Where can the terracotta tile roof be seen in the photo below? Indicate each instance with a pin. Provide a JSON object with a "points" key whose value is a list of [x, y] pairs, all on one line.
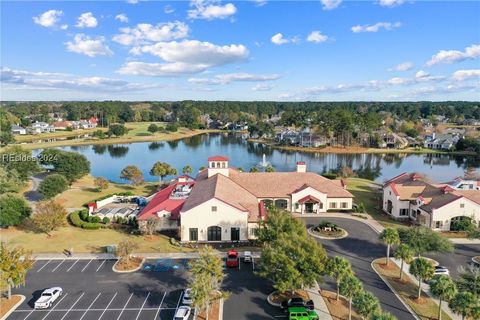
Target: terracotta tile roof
{"points": [[309, 198], [472, 195], [218, 158]]}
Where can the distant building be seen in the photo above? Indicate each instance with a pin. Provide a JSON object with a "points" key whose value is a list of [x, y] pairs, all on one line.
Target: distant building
{"points": [[464, 184], [441, 141], [16, 129], [62, 125], [393, 141], [40, 127]]}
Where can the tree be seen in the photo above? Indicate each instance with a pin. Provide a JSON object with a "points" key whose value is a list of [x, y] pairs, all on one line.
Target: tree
{"points": [[20, 160], [117, 130], [338, 268], [153, 128], [9, 181], [389, 236], [72, 165], [14, 209], [53, 185], [366, 304], [383, 316], [151, 225], [468, 144], [422, 269], [49, 216], [463, 303], [133, 174], [101, 183], [187, 169], [162, 169], [443, 288], [404, 253], [254, 169], [278, 222], [270, 168], [423, 240], [14, 265], [125, 249], [350, 287], [469, 280]]}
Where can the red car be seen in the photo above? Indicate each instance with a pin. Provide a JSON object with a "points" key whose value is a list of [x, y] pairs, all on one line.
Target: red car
{"points": [[232, 259]]}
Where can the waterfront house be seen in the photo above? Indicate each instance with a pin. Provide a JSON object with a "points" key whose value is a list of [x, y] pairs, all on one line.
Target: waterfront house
{"points": [[225, 204], [410, 197], [441, 141], [40, 127], [16, 129]]}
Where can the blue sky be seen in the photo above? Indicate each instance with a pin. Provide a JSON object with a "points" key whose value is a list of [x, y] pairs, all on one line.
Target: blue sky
{"points": [[329, 50]]}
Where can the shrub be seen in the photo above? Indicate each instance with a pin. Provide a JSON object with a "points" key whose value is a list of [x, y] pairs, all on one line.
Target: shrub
{"points": [[53, 185], [106, 220], [95, 219], [172, 127], [83, 215], [75, 220], [329, 175], [14, 209]]}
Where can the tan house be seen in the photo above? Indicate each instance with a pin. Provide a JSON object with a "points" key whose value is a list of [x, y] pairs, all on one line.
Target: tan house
{"points": [[225, 204], [408, 196]]}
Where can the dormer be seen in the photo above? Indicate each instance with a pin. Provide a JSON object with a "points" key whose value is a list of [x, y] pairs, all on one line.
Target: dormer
{"points": [[217, 164]]}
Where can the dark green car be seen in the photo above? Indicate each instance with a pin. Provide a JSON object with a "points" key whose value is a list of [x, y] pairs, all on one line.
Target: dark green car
{"points": [[301, 313]]}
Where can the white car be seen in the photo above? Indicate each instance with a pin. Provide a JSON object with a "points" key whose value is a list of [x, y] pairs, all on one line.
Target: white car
{"points": [[182, 313], [48, 297], [187, 298], [439, 270], [247, 256]]}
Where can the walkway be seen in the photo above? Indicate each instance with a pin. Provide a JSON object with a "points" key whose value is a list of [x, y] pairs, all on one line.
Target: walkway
{"points": [[319, 303]]}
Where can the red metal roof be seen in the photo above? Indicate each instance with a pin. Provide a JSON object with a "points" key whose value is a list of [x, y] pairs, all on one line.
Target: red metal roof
{"points": [[309, 198], [218, 158], [162, 202], [300, 162]]}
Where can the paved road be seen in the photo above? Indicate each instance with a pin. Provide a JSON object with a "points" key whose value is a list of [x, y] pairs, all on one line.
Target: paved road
{"points": [[461, 257], [361, 247], [33, 195]]}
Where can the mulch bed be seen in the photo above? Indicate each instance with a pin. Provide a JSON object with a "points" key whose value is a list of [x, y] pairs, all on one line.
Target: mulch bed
{"points": [[7, 304], [213, 312], [338, 308], [132, 263]]}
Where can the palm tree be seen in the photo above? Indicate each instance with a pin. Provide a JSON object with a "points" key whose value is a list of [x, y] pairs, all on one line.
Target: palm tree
{"points": [[422, 269], [366, 304], [444, 289], [350, 287], [187, 169], [389, 236], [382, 316], [469, 280], [404, 253], [463, 303], [338, 268]]}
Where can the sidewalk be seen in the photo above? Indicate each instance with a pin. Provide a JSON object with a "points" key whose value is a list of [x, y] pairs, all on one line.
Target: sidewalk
{"points": [[102, 256], [426, 289], [372, 223], [320, 305]]}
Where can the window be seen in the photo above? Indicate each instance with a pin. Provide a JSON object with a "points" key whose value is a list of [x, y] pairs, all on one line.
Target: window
{"points": [[235, 234], [252, 232], [193, 234], [333, 205], [462, 205], [438, 224], [223, 164], [214, 208], [343, 205], [320, 205], [403, 212], [414, 213], [214, 233], [390, 193], [296, 205]]}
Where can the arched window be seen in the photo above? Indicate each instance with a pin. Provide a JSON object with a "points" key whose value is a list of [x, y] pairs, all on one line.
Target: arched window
{"points": [[389, 206], [223, 164], [214, 233]]}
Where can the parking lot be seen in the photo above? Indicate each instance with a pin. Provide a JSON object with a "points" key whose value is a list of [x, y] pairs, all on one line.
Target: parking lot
{"points": [[93, 291]]}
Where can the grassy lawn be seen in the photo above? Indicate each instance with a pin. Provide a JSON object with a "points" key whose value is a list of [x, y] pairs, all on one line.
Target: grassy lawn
{"points": [[56, 134], [83, 240], [425, 307], [366, 192]]}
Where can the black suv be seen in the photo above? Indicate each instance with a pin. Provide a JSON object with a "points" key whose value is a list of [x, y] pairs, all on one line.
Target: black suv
{"points": [[297, 302]]}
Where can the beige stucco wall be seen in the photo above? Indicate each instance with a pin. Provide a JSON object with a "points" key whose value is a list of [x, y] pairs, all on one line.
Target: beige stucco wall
{"points": [[202, 217], [309, 191], [453, 209], [397, 204]]}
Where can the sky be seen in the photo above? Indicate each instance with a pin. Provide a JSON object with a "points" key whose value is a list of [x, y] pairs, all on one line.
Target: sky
{"points": [[328, 50]]}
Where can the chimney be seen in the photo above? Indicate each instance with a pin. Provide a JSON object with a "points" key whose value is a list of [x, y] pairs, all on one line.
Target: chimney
{"points": [[301, 166]]}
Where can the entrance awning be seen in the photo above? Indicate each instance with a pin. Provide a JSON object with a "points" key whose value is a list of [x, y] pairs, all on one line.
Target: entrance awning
{"points": [[309, 198]]}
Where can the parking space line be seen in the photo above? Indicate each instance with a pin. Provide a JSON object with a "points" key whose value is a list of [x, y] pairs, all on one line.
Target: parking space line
{"points": [[68, 270], [73, 305], [28, 315], [179, 299], [56, 304], [160, 306], [91, 304], [101, 265], [125, 306], [143, 305], [108, 305], [44, 266], [58, 265], [86, 265]]}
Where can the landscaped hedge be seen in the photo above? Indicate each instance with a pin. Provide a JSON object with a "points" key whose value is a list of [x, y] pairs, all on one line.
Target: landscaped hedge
{"points": [[78, 222]]}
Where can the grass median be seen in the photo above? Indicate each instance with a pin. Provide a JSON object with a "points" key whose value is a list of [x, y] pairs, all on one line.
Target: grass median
{"points": [[425, 307]]}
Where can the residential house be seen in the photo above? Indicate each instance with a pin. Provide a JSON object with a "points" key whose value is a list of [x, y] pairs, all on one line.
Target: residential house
{"points": [[16, 129], [441, 141], [62, 125], [464, 184], [40, 127], [393, 141], [410, 197], [224, 204]]}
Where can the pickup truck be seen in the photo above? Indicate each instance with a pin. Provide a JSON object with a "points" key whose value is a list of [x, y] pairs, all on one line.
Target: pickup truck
{"points": [[48, 297]]}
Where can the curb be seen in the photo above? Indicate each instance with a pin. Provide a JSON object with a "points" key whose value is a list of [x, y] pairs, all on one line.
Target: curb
{"points": [[22, 298], [476, 263], [270, 302], [220, 310], [310, 232], [395, 292], [128, 271], [347, 216]]}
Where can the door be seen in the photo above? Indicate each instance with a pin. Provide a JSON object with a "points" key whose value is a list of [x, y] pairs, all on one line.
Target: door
{"points": [[235, 234], [214, 233], [308, 207]]}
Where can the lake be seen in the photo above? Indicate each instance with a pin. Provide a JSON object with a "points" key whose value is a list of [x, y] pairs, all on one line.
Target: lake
{"points": [[108, 160]]}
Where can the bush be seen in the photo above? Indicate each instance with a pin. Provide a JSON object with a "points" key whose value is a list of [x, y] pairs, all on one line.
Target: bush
{"points": [[153, 128], [83, 215], [464, 224], [14, 209], [95, 219], [106, 220], [329, 175], [75, 220], [53, 185], [172, 127]]}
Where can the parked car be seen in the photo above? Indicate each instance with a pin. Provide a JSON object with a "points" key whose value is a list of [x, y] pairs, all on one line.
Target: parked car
{"points": [[301, 313], [440, 270], [48, 297], [232, 259], [247, 256], [187, 298], [297, 302], [182, 313]]}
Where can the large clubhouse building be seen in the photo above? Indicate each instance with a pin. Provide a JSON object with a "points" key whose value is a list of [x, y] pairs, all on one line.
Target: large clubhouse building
{"points": [[225, 204], [409, 196]]}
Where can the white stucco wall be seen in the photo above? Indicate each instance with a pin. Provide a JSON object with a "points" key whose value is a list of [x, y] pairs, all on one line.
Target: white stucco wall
{"points": [[202, 217], [454, 209], [309, 191], [339, 201], [397, 204]]}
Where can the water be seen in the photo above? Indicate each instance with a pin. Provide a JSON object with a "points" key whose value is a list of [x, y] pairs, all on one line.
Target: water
{"points": [[108, 160]]}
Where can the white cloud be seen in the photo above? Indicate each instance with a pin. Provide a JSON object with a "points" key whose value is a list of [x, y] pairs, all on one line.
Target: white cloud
{"points": [[260, 3], [210, 10], [375, 27], [405, 66], [49, 18], [263, 87], [317, 36], [145, 32], [452, 56], [133, 1], [399, 81], [462, 75], [232, 77], [64, 26], [278, 39], [330, 4], [420, 76], [86, 20], [391, 3], [185, 57], [168, 9], [122, 17], [89, 46], [47, 80]]}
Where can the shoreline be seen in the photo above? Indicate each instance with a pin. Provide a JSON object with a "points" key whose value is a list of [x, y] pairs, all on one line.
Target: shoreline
{"points": [[358, 150]]}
